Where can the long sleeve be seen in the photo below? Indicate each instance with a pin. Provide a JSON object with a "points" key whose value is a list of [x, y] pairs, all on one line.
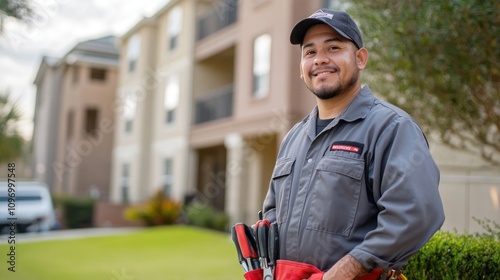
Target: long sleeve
{"points": [[404, 181]]}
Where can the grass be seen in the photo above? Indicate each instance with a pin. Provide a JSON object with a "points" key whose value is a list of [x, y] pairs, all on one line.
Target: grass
{"points": [[175, 252]]}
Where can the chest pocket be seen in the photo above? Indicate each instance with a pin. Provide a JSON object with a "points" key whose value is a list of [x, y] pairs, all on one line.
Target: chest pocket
{"points": [[336, 193], [282, 180]]}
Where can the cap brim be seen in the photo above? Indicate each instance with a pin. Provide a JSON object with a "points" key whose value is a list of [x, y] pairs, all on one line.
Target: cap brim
{"points": [[300, 29]]}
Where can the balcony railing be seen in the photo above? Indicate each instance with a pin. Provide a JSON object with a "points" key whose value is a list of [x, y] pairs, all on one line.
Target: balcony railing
{"points": [[224, 13], [215, 105]]}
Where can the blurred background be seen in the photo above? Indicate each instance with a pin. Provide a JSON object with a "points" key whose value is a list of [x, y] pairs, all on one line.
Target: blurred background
{"points": [[117, 104]]}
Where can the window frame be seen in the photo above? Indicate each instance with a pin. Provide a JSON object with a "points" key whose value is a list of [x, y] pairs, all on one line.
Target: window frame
{"points": [[174, 27], [171, 97], [261, 65], [133, 52]]}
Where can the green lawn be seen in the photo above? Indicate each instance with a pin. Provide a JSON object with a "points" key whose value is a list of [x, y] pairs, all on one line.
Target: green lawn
{"points": [[176, 252]]}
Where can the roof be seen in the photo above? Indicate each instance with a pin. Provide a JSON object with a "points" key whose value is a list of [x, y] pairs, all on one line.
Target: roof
{"points": [[47, 62], [101, 51], [103, 45]]}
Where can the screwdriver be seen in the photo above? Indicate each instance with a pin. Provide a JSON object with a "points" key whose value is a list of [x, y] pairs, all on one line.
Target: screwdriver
{"points": [[241, 259], [247, 244]]}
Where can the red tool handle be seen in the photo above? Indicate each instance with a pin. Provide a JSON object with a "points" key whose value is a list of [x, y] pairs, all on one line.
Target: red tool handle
{"points": [[241, 259], [247, 248]]}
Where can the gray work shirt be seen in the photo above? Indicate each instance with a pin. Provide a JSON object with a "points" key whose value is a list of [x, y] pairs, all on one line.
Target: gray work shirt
{"points": [[366, 185]]}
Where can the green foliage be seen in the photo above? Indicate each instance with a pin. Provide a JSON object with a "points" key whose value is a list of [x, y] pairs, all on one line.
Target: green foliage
{"points": [[439, 61], [158, 210], [77, 212], [18, 9], [202, 215], [11, 142], [450, 256]]}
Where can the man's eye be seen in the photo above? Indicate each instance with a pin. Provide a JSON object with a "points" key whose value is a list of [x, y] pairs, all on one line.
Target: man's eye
{"points": [[333, 48], [309, 52]]}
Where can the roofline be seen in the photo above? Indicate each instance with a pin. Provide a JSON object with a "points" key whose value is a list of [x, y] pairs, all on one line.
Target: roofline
{"points": [[152, 20]]}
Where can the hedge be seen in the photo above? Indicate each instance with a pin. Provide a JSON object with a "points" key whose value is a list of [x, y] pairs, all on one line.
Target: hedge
{"points": [[452, 256], [77, 212], [202, 215]]}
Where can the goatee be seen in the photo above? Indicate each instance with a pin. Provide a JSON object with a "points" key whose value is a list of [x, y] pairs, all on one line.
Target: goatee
{"points": [[331, 91]]}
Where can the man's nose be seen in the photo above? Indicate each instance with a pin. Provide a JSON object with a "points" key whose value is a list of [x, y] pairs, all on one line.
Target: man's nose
{"points": [[321, 58]]}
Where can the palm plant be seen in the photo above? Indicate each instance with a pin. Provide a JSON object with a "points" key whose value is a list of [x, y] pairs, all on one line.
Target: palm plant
{"points": [[11, 142]]}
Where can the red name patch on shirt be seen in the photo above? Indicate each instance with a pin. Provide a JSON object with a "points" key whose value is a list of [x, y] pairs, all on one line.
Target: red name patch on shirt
{"points": [[347, 146]]}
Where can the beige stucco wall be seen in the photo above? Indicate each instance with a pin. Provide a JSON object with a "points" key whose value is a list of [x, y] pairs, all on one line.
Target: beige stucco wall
{"points": [[470, 188], [79, 154]]}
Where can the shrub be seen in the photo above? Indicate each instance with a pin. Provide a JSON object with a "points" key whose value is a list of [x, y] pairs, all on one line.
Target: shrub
{"points": [[452, 256], [77, 212], [158, 210], [202, 215]]}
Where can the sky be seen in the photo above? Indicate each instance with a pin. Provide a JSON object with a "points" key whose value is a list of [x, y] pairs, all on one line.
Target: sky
{"points": [[58, 26]]}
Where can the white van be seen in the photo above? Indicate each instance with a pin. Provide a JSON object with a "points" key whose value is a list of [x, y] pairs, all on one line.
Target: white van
{"points": [[32, 208]]}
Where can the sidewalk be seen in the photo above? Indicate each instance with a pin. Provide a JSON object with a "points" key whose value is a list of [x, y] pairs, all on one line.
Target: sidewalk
{"points": [[67, 234]]}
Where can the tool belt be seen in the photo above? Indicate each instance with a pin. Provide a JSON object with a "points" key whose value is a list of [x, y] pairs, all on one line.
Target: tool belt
{"points": [[258, 248], [290, 270]]}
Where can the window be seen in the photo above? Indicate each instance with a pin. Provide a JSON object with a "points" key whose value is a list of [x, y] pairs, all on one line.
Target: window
{"points": [[69, 124], [130, 107], [125, 182], [168, 174], [171, 98], [134, 48], [261, 65], [174, 27], [215, 105], [91, 118], [97, 74], [22, 198], [76, 74]]}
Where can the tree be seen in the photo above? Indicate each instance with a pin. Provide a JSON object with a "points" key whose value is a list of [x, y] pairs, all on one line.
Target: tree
{"points": [[18, 9], [11, 142], [438, 60]]}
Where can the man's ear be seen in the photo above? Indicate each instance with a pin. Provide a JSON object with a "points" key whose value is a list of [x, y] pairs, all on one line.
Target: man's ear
{"points": [[300, 72], [361, 58]]}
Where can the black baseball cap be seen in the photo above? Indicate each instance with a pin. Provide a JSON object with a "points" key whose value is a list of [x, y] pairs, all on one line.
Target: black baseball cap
{"points": [[338, 20]]}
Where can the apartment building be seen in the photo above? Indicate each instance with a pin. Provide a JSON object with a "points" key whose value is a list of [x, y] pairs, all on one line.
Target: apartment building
{"points": [[209, 88], [207, 102], [73, 122], [153, 106]]}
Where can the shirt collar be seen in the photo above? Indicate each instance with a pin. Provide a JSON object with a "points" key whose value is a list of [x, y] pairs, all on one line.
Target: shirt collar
{"points": [[357, 109]]}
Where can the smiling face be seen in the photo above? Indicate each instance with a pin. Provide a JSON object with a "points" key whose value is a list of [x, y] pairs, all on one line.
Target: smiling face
{"points": [[330, 64]]}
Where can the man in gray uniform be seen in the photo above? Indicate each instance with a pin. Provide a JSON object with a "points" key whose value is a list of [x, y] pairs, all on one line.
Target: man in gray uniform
{"points": [[354, 187]]}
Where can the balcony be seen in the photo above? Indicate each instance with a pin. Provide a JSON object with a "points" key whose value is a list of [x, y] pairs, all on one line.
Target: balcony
{"points": [[214, 105], [223, 14]]}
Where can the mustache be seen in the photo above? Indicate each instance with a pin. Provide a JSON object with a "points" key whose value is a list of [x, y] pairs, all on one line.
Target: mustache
{"points": [[323, 68]]}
